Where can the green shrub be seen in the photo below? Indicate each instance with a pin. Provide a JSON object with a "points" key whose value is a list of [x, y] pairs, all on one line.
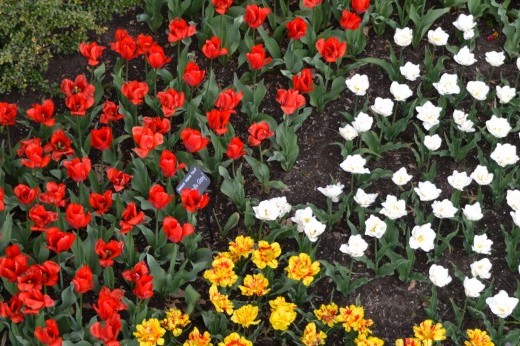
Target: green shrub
{"points": [[31, 31]]}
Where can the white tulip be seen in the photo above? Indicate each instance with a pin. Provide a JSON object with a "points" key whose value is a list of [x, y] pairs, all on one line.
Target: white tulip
{"points": [[473, 287], [481, 175], [515, 215], [447, 85], [282, 205], [464, 57], [439, 275], [393, 208], [266, 211], [505, 93], [498, 127], [356, 246], [423, 237], [400, 91], [301, 217], [513, 199], [482, 268], [438, 37], [313, 229], [375, 227], [363, 122], [432, 143], [332, 191], [427, 191], [482, 244], [501, 304], [364, 199], [355, 164], [495, 58], [459, 180], [465, 24], [478, 90], [401, 177], [403, 37], [410, 71], [383, 106], [348, 132], [504, 154], [444, 209], [459, 116], [473, 212], [428, 114], [467, 126], [358, 84]]}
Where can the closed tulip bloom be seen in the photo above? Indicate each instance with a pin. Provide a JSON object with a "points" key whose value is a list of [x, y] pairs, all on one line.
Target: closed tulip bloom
{"points": [[303, 81], [349, 20], [296, 28], [235, 149], [218, 120], [146, 140], [156, 57], [8, 113], [360, 6], [221, 6], [256, 57], [228, 99], [255, 16], [135, 91], [171, 100], [78, 169], [25, 194], [192, 200], [193, 140], [76, 216], [83, 281], [101, 138], [101, 203], [58, 241], [258, 132], [169, 164], [193, 74]]}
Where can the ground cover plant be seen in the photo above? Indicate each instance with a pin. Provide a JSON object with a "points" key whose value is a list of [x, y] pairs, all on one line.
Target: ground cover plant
{"points": [[363, 168]]}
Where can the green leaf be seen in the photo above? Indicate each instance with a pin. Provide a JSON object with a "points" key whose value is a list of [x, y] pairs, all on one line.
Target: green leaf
{"points": [[192, 297], [270, 43]]}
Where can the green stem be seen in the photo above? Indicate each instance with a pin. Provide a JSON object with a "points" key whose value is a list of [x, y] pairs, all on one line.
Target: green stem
{"points": [[157, 229], [351, 267], [376, 257], [80, 308], [463, 313], [179, 58], [155, 81], [9, 139], [80, 139]]}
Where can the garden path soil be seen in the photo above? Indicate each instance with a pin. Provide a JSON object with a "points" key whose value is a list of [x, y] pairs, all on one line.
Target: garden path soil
{"points": [[393, 305]]}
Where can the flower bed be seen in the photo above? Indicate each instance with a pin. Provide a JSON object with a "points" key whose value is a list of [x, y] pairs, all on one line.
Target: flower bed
{"points": [[153, 201]]}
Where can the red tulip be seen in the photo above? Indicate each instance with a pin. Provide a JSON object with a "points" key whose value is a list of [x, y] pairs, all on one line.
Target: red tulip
{"points": [[42, 114], [156, 57], [221, 6], [296, 28], [101, 203], [118, 178], [256, 57], [360, 6], [174, 231], [109, 332], [8, 113], [101, 138], [171, 100], [193, 140], [50, 334], [54, 194], [311, 3], [107, 252], [331, 49], [83, 281], [139, 270], [290, 100], [193, 74], [14, 264], [59, 145], [78, 169], [58, 241], [193, 201], [146, 140], [158, 197], [211, 48], [34, 301], [91, 51], [349, 20], [218, 120], [255, 16], [258, 132], [25, 194], [303, 81], [168, 164], [79, 95], [144, 44], [157, 124], [144, 287], [228, 99], [41, 217], [34, 153], [110, 113], [13, 309], [49, 271], [235, 149], [76, 216], [109, 303], [135, 91], [125, 45], [130, 218], [179, 29]]}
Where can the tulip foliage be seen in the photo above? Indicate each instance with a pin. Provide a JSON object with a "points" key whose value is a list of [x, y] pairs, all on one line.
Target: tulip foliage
{"points": [[104, 237]]}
